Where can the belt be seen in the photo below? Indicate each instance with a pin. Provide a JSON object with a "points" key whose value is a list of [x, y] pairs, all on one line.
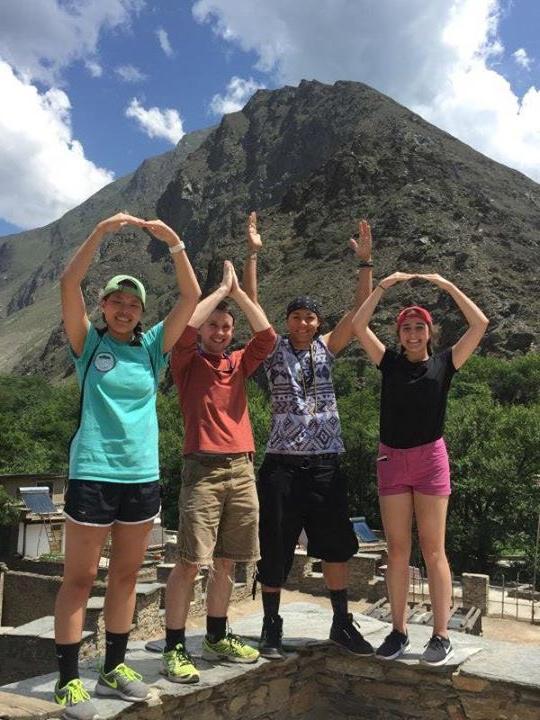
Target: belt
{"points": [[218, 457], [305, 461]]}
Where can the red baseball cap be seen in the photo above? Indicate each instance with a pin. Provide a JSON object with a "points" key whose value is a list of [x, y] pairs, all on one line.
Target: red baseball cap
{"points": [[414, 311]]}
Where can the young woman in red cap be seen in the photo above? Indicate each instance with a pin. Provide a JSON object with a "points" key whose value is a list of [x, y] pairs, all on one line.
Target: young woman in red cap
{"points": [[412, 464]]}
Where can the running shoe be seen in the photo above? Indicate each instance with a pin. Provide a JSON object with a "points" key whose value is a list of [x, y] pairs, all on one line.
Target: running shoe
{"points": [[344, 632], [178, 666], [394, 645], [270, 642], [438, 651], [75, 700], [231, 648], [122, 682]]}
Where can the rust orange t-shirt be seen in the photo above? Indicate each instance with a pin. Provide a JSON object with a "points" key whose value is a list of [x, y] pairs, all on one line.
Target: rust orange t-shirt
{"points": [[212, 392]]}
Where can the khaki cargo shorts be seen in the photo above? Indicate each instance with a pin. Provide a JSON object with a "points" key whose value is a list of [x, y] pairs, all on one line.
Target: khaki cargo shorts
{"points": [[218, 509]]}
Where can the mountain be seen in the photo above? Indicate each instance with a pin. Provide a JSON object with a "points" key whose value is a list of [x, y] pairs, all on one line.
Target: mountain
{"points": [[311, 160]]}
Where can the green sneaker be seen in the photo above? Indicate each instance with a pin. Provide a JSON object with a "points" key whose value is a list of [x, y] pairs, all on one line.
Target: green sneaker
{"points": [[122, 682], [178, 666], [76, 701], [231, 648]]}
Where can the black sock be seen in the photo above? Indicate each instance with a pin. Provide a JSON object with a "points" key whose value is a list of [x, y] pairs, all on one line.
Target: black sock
{"points": [[174, 637], [216, 628], [68, 662], [339, 602], [115, 650], [271, 603]]}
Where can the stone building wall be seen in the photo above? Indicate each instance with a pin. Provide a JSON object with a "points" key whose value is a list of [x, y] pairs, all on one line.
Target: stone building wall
{"points": [[323, 683]]}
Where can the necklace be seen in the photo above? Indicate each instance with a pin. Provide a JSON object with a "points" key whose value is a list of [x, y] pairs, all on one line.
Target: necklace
{"points": [[309, 379]]}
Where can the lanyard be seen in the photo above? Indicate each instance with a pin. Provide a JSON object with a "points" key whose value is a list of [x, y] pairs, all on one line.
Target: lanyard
{"points": [[306, 382]]}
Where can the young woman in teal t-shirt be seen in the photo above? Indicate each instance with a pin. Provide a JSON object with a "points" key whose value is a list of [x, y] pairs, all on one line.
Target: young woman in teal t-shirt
{"points": [[113, 467]]}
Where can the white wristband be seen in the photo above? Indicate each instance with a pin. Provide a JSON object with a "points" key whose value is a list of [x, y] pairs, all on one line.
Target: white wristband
{"points": [[177, 248]]}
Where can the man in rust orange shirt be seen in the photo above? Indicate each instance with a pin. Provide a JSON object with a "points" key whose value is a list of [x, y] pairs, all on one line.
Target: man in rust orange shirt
{"points": [[218, 519]]}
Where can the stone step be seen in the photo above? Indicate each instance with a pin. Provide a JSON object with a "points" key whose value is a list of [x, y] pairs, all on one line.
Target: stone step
{"points": [[32, 646]]}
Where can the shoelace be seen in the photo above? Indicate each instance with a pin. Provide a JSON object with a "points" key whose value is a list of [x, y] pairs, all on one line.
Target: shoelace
{"points": [[182, 657], [435, 641], [353, 627], [76, 692], [127, 672], [234, 640]]}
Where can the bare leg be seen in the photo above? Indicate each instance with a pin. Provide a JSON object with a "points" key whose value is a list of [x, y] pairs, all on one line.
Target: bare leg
{"points": [[83, 550], [336, 575], [220, 585], [179, 593], [129, 543], [396, 512], [430, 511]]}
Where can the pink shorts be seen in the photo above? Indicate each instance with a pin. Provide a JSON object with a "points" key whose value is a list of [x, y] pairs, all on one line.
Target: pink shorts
{"points": [[424, 469]]}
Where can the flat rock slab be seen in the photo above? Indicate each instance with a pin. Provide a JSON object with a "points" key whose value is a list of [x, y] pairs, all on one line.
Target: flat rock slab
{"points": [[304, 623], [26, 707], [507, 662]]}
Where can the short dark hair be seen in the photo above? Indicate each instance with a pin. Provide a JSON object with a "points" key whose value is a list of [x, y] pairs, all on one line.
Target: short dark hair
{"points": [[225, 307]]}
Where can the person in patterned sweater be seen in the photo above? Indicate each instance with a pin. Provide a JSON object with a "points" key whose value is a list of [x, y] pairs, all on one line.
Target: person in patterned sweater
{"points": [[300, 484]]}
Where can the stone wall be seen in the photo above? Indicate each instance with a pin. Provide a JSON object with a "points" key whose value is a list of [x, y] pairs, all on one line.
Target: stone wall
{"points": [[322, 683], [29, 596]]}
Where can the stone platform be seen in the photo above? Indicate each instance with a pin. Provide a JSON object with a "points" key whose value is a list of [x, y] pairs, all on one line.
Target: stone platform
{"points": [[485, 680]]}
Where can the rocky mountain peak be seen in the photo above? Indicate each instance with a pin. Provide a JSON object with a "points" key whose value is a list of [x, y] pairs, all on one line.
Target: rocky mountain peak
{"points": [[311, 160]]}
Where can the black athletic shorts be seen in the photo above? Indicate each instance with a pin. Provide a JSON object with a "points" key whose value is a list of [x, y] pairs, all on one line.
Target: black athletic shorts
{"points": [[296, 492], [89, 502]]}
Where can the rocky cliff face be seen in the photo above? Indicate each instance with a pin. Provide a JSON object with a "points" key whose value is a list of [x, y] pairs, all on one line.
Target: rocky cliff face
{"points": [[311, 160]]}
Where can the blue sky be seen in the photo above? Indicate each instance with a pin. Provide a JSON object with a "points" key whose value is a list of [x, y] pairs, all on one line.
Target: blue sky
{"points": [[92, 87]]}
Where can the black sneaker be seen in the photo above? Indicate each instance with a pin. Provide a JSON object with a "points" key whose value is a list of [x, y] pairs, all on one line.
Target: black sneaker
{"points": [[271, 634], [394, 645], [344, 633], [438, 651]]}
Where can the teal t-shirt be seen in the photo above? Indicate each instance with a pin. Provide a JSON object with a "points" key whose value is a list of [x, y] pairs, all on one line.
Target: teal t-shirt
{"points": [[117, 440]]}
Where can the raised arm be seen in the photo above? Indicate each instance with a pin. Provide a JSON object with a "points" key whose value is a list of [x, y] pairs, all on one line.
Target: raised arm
{"points": [[254, 243], [341, 335], [476, 319], [177, 319], [74, 314], [254, 313], [207, 306], [370, 342]]}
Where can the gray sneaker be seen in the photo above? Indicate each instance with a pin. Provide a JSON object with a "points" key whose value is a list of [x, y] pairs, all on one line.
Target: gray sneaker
{"points": [[122, 682], [75, 700], [438, 651]]}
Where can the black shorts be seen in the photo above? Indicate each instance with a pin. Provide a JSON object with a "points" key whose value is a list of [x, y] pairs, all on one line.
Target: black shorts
{"points": [[298, 492], [89, 502]]}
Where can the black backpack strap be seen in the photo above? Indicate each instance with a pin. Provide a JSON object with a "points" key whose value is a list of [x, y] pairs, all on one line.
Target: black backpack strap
{"points": [[100, 332]]}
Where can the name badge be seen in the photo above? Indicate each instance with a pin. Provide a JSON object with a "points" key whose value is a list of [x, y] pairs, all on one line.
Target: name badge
{"points": [[104, 361]]}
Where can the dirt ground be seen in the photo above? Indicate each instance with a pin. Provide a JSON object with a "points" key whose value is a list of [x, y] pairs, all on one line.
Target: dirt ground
{"points": [[493, 628]]}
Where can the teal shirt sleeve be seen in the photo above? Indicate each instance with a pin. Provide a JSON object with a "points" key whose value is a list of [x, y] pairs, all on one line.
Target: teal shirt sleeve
{"points": [[153, 341], [81, 361]]}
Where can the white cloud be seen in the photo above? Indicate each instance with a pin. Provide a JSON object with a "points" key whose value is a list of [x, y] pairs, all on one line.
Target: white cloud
{"points": [[435, 57], [522, 58], [238, 93], [164, 42], [129, 74], [94, 68], [157, 123], [43, 169], [41, 37]]}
